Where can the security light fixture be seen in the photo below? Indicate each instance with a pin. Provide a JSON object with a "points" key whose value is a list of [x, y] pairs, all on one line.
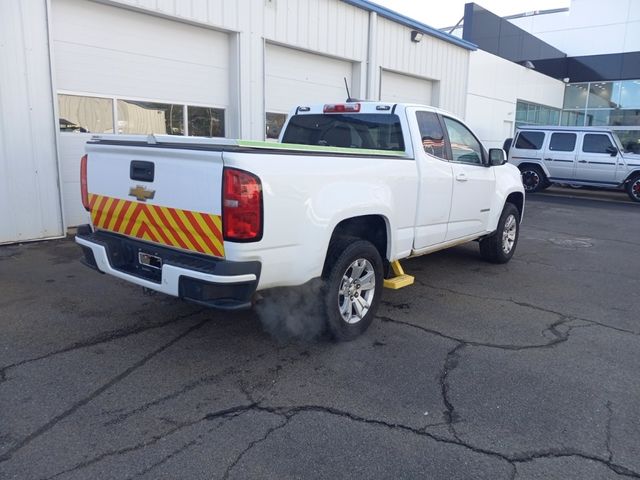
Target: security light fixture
{"points": [[416, 36], [528, 64]]}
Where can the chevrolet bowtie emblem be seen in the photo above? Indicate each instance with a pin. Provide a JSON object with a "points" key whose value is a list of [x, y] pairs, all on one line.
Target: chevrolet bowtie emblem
{"points": [[141, 193]]}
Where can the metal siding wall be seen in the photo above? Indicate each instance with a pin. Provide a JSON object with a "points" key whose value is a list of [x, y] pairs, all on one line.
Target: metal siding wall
{"points": [[431, 58], [225, 14], [326, 27], [29, 192], [491, 99]]}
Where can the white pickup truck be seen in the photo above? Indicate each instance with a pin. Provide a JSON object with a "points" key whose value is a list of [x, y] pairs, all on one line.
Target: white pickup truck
{"points": [[350, 189]]}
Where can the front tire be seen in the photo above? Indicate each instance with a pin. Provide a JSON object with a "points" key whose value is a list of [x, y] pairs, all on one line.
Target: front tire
{"points": [[353, 281], [501, 245], [533, 178], [633, 188]]}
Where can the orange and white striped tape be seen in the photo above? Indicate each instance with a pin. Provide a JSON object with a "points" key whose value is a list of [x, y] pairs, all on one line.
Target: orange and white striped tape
{"points": [[185, 229]]}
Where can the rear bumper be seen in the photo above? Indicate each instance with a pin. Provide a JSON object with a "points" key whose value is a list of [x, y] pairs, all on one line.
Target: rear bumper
{"points": [[198, 278]]}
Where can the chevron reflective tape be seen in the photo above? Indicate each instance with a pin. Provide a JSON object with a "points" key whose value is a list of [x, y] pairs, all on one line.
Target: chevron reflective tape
{"points": [[184, 229]]}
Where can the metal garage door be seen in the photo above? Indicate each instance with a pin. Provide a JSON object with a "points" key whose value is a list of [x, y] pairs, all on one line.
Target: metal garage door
{"points": [[396, 87], [132, 73], [293, 77]]}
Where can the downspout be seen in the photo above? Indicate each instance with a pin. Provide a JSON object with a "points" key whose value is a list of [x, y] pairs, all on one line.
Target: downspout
{"points": [[372, 67]]}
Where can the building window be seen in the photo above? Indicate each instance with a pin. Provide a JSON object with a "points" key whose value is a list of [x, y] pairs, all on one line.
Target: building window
{"points": [[87, 114], [273, 125], [148, 117], [528, 113], [205, 121], [630, 94], [575, 96], [80, 114], [572, 118]]}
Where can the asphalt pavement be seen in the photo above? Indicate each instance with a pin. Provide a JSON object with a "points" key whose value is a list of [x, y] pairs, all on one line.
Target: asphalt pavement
{"points": [[528, 370]]}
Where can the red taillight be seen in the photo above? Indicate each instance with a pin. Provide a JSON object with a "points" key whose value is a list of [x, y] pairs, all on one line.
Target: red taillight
{"points": [[241, 206], [83, 183], [341, 108]]}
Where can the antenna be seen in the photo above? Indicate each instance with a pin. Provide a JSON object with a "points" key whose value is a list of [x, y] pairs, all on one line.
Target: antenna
{"points": [[346, 85], [349, 99]]}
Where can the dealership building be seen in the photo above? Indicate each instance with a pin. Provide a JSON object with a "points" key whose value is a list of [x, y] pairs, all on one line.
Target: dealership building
{"points": [[234, 68]]}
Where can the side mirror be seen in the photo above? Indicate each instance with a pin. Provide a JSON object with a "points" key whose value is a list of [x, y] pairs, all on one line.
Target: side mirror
{"points": [[613, 151], [497, 157]]}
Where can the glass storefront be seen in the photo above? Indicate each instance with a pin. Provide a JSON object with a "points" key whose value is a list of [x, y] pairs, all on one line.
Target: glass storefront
{"points": [[602, 104]]}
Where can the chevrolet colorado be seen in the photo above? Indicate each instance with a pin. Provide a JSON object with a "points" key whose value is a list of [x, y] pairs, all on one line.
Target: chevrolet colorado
{"points": [[350, 189]]}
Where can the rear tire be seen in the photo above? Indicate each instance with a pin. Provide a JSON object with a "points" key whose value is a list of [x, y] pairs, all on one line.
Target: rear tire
{"points": [[353, 279], [501, 245], [633, 188], [533, 178]]}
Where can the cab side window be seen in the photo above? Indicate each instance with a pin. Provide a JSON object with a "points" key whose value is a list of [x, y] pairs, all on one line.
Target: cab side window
{"points": [[594, 143], [464, 146], [432, 134]]}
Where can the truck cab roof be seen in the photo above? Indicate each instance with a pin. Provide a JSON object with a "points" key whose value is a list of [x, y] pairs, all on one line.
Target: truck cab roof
{"points": [[362, 106]]}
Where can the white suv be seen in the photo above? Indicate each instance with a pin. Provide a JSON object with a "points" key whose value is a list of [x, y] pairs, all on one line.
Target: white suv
{"points": [[588, 156]]}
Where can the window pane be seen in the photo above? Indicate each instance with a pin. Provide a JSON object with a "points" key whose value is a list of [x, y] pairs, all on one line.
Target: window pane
{"points": [[630, 94], [604, 95], [598, 117], [147, 117], [205, 121], [521, 112], [562, 142], [431, 133], [543, 118], [625, 118], [85, 114], [464, 146], [575, 96], [273, 125], [596, 143], [530, 140], [573, 119], [364, 130]]}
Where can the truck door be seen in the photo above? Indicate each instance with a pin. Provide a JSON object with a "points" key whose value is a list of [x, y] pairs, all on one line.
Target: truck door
{"points": [[597, 159], [473, 185], [436, 182], [560, 156]]}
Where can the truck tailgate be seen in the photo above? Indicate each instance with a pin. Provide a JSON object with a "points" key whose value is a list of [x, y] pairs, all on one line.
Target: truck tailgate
{"points": [[168, 196]]}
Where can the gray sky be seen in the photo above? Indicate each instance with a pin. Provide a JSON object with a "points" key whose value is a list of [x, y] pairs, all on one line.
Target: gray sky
{"points": [[445, 13]]}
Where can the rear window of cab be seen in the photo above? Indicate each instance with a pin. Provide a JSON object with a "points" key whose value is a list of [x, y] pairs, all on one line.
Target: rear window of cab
{"points": [[530, 140], [359, 130]]}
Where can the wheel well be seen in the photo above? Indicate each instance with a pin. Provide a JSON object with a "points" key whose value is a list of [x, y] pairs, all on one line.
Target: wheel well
{"points": [[632, 175], [518, 200], [530, 164], [372, 228]]}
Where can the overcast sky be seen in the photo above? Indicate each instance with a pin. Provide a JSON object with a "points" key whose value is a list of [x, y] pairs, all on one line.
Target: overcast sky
{"points": [[446, 13]]}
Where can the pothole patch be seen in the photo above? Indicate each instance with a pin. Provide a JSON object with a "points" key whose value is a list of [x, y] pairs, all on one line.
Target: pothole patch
{"points": [[572, 242]]}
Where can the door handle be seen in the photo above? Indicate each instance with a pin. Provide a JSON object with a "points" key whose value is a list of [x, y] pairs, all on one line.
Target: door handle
{"points": [[461, 177], [582, 161], [549, 159]]}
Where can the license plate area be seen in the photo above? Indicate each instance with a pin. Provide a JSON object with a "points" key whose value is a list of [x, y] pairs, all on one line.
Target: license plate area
{"points": [[147, 264], [150, 261]]}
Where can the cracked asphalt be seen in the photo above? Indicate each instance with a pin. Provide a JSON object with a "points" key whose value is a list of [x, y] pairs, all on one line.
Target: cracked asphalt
{"points": [[528, 370]]}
